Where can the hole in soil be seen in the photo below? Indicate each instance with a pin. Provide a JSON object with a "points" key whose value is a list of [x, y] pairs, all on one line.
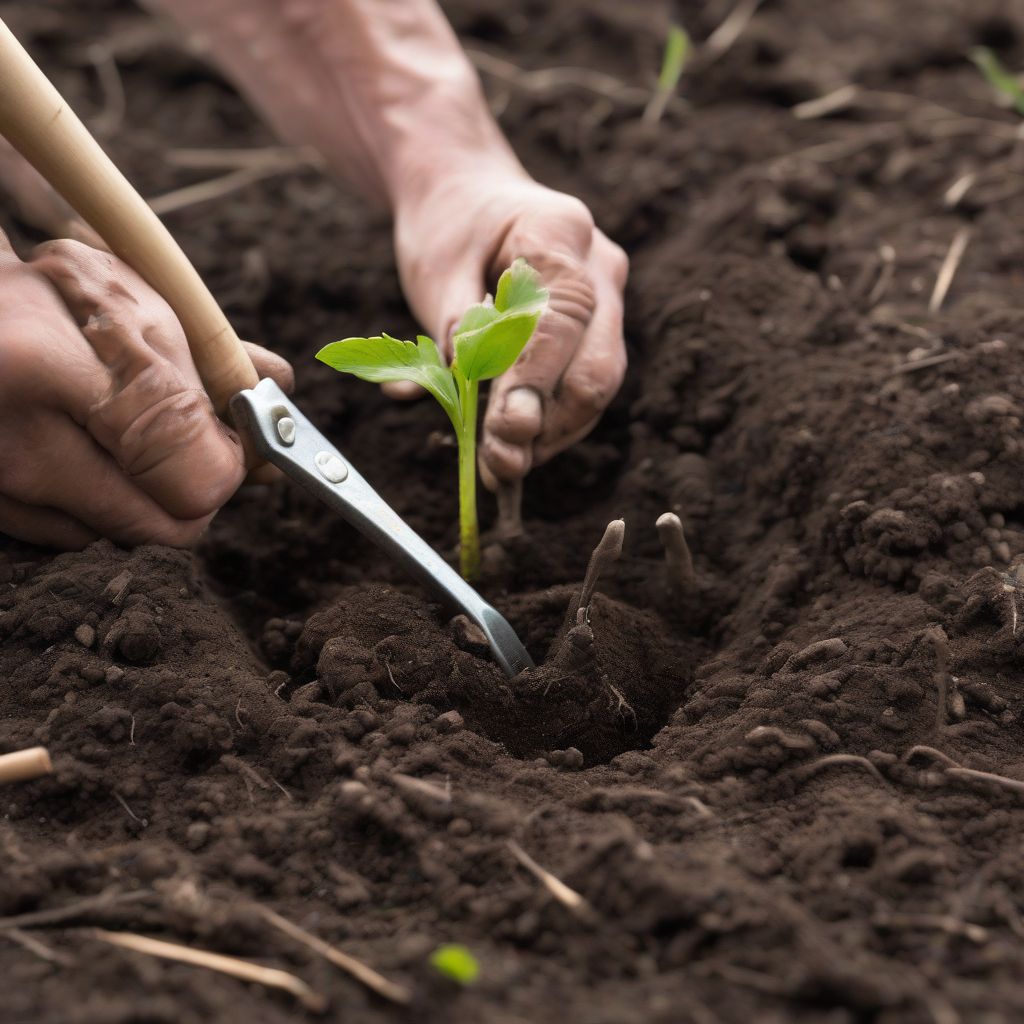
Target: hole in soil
{"points": [[603, 691]]}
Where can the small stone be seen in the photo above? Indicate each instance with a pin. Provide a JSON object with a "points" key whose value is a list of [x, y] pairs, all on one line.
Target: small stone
{"points": [[1002, 551], [117, 589], [85, 635], [113, 675], [450, 721], [460, 827]]}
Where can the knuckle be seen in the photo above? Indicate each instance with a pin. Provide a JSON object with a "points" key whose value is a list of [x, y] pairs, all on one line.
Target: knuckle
{"points": [[587, 393]]}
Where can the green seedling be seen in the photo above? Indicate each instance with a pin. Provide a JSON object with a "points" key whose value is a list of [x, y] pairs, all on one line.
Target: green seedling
{"points": [[1003, 81], [486, 343], [456, 962], [673, 64]]}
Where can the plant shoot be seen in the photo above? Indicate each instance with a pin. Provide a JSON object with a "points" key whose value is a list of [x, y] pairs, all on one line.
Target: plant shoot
{"points": [[673, 63], [486, 343], [1003, 81]]}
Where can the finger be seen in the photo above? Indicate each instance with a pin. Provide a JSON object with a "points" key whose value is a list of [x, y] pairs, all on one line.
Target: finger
{"points": [[46, 527], [85, 483], [160, 427], [270, 364], [590, 383]]}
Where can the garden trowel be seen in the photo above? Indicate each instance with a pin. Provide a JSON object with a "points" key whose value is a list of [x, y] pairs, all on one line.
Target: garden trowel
{"points": [[36, 120]]}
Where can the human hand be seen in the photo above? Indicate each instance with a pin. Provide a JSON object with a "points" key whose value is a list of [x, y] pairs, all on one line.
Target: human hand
{"points": [[105, 427], [452, 242]]}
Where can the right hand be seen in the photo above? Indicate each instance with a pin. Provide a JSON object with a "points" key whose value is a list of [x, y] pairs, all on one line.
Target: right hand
{"points": [[105, 428]]}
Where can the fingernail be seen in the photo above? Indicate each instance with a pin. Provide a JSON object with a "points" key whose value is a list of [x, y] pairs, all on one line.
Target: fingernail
{"points": [[524, 404]]}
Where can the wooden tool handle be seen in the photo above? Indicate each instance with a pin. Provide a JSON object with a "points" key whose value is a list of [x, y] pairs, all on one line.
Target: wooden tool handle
{"points": [[38, 123]]}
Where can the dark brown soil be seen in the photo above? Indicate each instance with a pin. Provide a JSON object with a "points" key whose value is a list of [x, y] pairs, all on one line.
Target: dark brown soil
{"points": [[729, 781]]}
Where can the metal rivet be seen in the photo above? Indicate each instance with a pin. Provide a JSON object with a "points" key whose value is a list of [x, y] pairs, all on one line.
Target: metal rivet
{"points": [[286, 430], [331, 467]]}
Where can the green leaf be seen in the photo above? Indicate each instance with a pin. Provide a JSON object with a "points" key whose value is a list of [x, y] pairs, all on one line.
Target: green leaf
{"points": [[385, 359], [492, 334], [456, 962], [520, 290], [998, 77], [677, 53]]}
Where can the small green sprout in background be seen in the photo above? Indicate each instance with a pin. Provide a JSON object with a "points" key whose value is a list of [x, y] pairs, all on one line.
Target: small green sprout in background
{"points": [[486, 343], [1003, 81], [677, 53], [455, 962]]}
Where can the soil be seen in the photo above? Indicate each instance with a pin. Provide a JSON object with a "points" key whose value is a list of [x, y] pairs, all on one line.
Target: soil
{"points": [[732, 779]]}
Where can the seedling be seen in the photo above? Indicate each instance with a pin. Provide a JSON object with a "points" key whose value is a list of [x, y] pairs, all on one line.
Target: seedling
{"points": [[673, 63], [455, 962], [1003, 81], [487, 341]]}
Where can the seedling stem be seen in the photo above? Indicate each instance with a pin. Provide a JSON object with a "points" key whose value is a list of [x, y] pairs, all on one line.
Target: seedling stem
{"points": [[487, 342]]}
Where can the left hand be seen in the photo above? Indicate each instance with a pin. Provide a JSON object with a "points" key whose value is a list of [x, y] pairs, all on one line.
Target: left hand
{"points": [[453, 241]]}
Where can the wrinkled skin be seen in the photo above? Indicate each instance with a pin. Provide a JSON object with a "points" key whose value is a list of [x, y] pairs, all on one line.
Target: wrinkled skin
{"points": [[453, 243], [105, 427]]}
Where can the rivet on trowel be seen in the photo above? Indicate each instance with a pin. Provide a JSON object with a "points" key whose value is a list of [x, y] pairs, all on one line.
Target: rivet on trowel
{"points": [[331, 467], [286, 429]]}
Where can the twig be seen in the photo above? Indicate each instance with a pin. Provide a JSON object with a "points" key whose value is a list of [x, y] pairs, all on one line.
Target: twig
{"points": [[270, 977], [723, 38], [214, 188], [954, 195], [1014, 785], [25, 765], [957, 771], [677, 553], [58, 915], [41, 950], [699, 806], [924, 364], [549, 80], [940, 922], [356, 968], [238, 765], [131, 814], [605, 555], [930, 752], [948, 270], [831, 760], [822, 106], [940, 645], [569, 898]]}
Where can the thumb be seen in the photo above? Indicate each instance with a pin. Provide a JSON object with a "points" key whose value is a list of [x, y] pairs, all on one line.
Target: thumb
{"points": [[270, 364]]}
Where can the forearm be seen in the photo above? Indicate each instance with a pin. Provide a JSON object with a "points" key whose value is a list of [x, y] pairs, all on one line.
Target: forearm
{"points": [[381, 88]]}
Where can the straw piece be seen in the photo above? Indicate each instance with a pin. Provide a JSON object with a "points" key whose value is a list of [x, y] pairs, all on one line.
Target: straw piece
{"points": [[356, 968], [269, 977], [948, 270], [569, 898], [24, 765]]}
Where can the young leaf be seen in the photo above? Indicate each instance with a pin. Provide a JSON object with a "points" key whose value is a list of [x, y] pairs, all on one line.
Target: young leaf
{"points": [[998, 77], [493, 333], [457, 962], [384, 359]]}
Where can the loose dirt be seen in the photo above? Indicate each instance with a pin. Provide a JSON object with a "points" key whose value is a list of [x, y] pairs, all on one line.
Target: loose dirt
{"points": [[757, 789]]}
